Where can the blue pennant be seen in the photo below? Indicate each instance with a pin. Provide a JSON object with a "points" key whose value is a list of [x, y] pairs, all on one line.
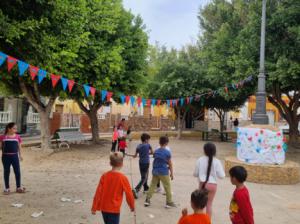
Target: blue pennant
{"points": [[153, 102], [86, 89], [191, 99], [168, 103], [144, 101], [41, 75], [181, 101], [122, 98], [103, 94], [22, 67], [174, 103], [64, 82], [2, 58], [132, 100]]}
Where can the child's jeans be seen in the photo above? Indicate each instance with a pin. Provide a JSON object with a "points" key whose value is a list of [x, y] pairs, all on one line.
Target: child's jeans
{"points": [[111, 218], [114, 145], [166, 181], [144, 169], [7, 161], [212, 189]]}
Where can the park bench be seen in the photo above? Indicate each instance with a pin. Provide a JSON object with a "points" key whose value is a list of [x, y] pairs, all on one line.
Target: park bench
{"points": [[214, 133], [65, 136]]}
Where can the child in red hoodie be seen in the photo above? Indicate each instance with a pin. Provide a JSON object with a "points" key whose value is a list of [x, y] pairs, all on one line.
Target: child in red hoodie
{"points": [[241, 211], [109, 194]]}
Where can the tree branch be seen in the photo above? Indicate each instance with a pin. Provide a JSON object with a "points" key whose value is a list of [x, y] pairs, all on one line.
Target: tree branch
{"points": [[29, 96], [82, 107]]}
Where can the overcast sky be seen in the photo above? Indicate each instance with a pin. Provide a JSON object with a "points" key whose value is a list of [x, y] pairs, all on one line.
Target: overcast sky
{"points": [[170, 22]]}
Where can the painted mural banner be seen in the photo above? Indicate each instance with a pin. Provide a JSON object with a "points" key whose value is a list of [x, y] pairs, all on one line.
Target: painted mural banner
{"points": [[261, 146]]}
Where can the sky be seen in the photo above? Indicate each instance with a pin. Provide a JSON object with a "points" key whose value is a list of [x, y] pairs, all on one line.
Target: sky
{"points": [[172, 23]]}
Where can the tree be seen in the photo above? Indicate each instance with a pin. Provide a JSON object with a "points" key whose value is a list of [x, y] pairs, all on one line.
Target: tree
{"points": [[46, 34], [282, 56], [112, 59]]}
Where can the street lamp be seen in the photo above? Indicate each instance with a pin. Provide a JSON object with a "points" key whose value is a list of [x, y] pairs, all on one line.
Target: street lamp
{"points": [[260, 116]]}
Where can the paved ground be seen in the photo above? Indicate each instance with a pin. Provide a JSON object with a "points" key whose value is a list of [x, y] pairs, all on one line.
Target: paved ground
{"points": [[75, 174]]}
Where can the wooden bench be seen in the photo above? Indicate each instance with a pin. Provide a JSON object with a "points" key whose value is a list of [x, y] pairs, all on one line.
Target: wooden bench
{"points": [[214, 133], [64, 136]]}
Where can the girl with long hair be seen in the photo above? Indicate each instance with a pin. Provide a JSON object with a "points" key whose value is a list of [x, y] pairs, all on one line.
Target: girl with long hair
{"points": [[10, 144], [208, 170]]}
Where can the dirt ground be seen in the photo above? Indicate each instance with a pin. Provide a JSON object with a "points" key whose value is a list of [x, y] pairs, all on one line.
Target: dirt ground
{"points": [[75, 174]]}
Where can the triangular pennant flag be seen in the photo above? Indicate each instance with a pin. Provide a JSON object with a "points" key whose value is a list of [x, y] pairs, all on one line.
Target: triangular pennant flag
{"points": [[174, 103], [132, 100], [108, 96], [92, 91], [181, 101], [153, 102], [127, 99], [70, 85], [158, 103], [33, 71], [22, 67], [139, 100], [144, 101], [54, 79], [187, 100], [191, 99], [64, 83], [2, 58], [41, 75], [171, 103], [122, 97], [148, 102], [103, 94], [10, 63], [86, 89], [168, 103]]}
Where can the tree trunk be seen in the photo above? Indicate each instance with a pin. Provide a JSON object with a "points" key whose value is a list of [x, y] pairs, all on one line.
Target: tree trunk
{"points": [[179, 127], [45, 130], [94, 126], [294, 135]]}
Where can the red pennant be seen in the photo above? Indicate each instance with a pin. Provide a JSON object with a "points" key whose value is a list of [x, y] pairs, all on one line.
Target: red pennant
{"points": [[54, 79], [149, 103], [33, 71], [158, 102], [139, 101], [92, 91], [176, 102], [127, 99], [70, 85], [108, 96], [11, 63], [187, 100], [171, 103]]}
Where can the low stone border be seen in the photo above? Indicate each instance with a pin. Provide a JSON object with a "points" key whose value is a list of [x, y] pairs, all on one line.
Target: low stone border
{"points": [[288, 173]]}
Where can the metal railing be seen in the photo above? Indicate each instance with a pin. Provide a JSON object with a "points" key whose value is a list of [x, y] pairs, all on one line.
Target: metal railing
{"points": [[33, 118], [5, 117]]}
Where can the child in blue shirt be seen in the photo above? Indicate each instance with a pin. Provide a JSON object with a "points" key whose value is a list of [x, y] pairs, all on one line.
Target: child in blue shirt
{"points": [[162, 171], [143, 150]]}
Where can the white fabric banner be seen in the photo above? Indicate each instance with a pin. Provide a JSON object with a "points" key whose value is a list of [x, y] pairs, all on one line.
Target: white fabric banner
{"points": [[263, 146]]}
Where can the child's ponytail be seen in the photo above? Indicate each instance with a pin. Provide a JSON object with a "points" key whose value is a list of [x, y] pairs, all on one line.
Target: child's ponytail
{"points": [[210, 152]]}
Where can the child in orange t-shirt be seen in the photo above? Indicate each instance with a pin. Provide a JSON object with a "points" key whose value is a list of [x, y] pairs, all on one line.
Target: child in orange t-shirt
{"points": [[198, 202], [109, 194]]}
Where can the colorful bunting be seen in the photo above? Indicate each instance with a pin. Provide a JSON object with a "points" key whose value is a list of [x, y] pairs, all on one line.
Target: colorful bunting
{"points": [[41, 75], [171, 103], [122, 97], [54, 79], [132, 100], [181, 101], [187, 100], [11, 61], [168, 103], [144, 101], [2, 58], [86, 89], [158, 102], [148, 102], [103, 95], [93, 91], [174, 103], [108, 96], [64, 83], [70, 85], [127, 99], [139, 101], [153, 102], [191, 99], [22, 67], [33, 71]]}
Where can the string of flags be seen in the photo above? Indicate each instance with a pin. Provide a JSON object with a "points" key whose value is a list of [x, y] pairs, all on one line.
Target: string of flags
{"points": [[106, 96]]}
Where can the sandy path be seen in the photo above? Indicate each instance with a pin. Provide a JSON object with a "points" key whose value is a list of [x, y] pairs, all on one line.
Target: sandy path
{"points": [[74, 174]]}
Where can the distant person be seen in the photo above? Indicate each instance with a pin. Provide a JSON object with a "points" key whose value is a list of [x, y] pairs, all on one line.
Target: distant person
{"points": [[128, 132], [230, 123], [162, 171], [122, 146], [121, 124], [144, 150], [114, 139], [208, 170], [236, 123], [109, 193], [10, 144], [198, 203], [241, 211]]}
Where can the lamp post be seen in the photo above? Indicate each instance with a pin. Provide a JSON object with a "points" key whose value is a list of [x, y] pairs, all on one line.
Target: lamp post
{"points": [[260, 116]]}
